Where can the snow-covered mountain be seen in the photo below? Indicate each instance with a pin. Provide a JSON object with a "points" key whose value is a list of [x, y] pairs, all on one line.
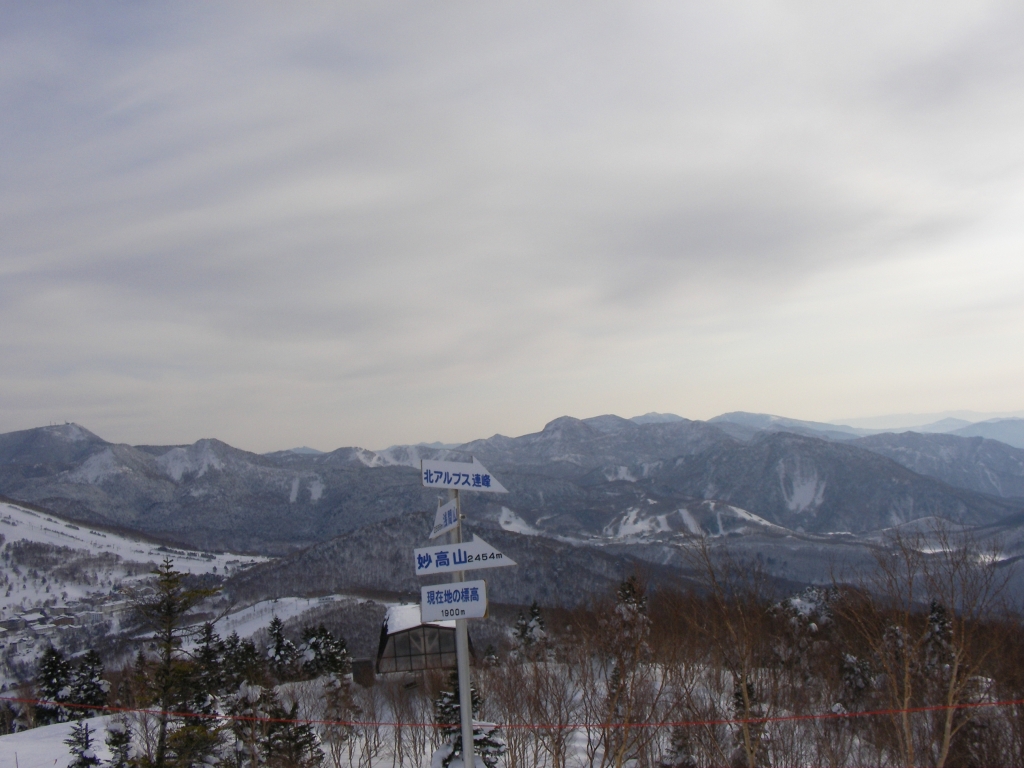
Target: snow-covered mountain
{"points": [[574, 478]]}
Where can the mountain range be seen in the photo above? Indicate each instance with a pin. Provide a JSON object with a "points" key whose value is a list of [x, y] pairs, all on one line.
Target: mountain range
{"points": [[624, 491]]}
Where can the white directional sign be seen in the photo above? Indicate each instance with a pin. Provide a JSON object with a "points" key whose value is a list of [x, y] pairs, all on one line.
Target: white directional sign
{"points": [[447, 518], [459, 475], [461, 600], [468, 556]]}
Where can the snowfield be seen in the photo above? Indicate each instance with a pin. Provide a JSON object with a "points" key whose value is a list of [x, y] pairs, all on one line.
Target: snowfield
{"points": [[45, 748], [20, 524]]}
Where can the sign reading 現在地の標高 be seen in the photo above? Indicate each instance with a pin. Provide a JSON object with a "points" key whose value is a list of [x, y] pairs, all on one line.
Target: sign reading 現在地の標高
{"points": [[458, 476], [468, 556], [461, 600], [447, 517]]}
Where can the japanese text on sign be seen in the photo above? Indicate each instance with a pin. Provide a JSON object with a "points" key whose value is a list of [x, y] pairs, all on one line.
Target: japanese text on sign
{"points": [[450, 480], [468, 556], [462, 600], [449, 596], [459, 475], [447, 518]]}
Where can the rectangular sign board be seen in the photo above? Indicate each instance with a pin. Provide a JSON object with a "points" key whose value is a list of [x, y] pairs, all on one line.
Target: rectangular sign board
{"points": [[461, 600], [447, 517], [469, 556], [459, 475]]}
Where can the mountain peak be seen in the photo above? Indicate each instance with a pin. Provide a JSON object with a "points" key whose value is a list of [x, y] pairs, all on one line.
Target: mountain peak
{"points": [[656, 418]]}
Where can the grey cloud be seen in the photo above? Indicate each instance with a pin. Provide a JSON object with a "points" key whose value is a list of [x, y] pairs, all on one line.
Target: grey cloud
{"points": [[375, 198]]}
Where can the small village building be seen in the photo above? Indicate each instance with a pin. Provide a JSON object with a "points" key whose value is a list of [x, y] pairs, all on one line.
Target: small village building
{"points": [[409, 645]]}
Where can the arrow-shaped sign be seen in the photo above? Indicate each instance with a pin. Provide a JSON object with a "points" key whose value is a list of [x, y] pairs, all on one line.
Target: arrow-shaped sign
{"points": [[447, 517], [468, 556], [459, 475]]}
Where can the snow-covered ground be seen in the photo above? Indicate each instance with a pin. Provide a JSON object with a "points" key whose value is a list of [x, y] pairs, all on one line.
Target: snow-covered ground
{"points": [[510, 521], [251, 619], [61, 579], [45, 748], [20, 524]]}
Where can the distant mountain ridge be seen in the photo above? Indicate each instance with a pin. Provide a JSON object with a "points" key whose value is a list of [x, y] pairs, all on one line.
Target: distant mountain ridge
{"points": [[576, 478]]}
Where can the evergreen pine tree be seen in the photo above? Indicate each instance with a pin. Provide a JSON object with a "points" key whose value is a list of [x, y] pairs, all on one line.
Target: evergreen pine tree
{"points": [[680, 752], [166, 613], [535, 628], [290, 744], [488, 745], [242, 663], [322, 653], [52, 682], [87, 688], [195, 740], [266, 734], [80, 745], [938, 641], [119, 742], [248, 705], [282, 652], [209, 662], [521, 631]]}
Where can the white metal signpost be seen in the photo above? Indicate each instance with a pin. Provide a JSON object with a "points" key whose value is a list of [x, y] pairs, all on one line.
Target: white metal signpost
{"points": [[467, 600]]}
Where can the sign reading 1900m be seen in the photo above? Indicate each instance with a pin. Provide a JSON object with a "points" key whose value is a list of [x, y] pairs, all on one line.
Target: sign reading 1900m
{"points": [[468, 556], [461, 600], [459, 475]]}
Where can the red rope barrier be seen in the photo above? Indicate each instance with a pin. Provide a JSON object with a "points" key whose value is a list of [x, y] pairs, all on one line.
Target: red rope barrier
{"points": [[537, 726]]}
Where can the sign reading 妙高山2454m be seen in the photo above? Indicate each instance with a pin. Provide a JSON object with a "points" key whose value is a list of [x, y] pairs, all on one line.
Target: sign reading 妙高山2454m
{"points": [[459, 475], [468, 556]]}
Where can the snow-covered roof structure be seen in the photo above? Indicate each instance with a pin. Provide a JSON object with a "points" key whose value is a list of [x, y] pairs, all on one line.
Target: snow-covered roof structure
{"points": [[407, 644], [402, 617]]}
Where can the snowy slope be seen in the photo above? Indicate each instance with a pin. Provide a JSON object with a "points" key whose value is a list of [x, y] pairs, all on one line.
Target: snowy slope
{"points": [[50, 562], [20, 524], [44, 747]]}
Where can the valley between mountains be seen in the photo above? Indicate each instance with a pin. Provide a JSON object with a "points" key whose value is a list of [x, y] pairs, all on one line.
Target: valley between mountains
{"points": [[598, 496]]}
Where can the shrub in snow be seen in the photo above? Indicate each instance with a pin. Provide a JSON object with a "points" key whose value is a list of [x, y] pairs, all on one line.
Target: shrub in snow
{"points": [[80, 745]]}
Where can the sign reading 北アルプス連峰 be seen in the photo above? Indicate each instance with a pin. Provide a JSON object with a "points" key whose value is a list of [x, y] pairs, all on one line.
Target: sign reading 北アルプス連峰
{"points": [[468, 556], [461, 600], [459, 476]]}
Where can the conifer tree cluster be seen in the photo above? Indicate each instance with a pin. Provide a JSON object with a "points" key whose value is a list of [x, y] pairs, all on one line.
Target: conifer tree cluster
{"points": [[191, 677], [70, 691], [530, 634]]}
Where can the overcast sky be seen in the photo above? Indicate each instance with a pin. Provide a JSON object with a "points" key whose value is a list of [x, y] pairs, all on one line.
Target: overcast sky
{"points": [[377, 223]]}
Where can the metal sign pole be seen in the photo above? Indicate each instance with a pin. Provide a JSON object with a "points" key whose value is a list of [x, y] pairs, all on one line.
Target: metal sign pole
{"points": [[462, 654]]}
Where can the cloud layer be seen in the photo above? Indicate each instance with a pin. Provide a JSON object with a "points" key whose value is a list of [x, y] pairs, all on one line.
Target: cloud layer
{"points": [[379, 223]]}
